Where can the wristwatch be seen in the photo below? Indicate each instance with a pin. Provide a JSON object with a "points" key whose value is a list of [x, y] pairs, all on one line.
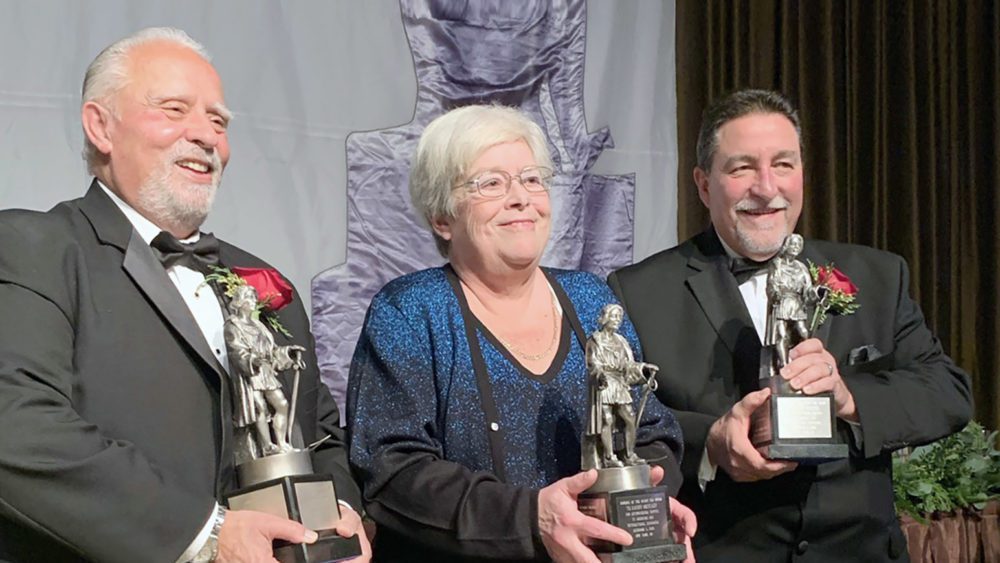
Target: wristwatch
{"points": [[210, 550]]}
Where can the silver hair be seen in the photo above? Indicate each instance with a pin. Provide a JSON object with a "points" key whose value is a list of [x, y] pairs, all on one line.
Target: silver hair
{"points": [[452, 142], [108, 73]]}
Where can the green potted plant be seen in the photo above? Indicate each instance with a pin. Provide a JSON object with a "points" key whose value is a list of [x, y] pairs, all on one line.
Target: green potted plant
{"points": [[947, 495]]}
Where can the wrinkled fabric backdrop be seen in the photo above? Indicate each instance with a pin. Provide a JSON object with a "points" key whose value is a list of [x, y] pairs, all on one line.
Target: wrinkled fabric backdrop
{"points": [[330, 98]]}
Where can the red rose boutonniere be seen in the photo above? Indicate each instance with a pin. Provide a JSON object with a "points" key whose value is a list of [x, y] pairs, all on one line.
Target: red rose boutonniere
{"points": [[273, 292], [837, 293]]}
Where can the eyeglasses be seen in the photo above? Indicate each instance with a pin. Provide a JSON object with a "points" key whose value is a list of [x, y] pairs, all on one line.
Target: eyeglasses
{"points": [[496, 183]]}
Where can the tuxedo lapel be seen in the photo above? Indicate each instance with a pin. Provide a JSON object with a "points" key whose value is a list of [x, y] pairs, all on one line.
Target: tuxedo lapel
{"points": [[719, 297], [147, 273], [113, 228], [811, 254], [715, 289]]}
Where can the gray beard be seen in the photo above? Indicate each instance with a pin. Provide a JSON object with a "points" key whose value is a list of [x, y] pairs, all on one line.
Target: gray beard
{"points": [[753, 245], [174, 205]]}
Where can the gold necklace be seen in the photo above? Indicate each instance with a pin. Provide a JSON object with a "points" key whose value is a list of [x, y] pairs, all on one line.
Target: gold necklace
{"points": [[535, 357]]}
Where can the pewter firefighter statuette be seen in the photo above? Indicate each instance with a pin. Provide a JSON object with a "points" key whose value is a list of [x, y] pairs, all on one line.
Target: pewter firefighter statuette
{"points": [[791, 297], [258, 399], [623, 494], [612, 371]]}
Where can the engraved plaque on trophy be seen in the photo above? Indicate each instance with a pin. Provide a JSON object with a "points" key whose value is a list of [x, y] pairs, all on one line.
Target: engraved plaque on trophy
{"points": [[623, 494], [274, 476], [792, 425]]}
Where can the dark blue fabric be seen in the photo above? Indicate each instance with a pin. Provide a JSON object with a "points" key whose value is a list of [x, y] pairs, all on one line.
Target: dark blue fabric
{"points": [[412, 387]]}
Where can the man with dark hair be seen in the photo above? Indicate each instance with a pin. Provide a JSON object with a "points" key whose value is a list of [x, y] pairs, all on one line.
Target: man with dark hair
{"points": [[116, 416], [700, 310]]}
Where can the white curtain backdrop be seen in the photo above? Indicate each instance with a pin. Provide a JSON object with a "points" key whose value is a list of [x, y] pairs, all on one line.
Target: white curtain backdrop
{"points": [[300, 76]]}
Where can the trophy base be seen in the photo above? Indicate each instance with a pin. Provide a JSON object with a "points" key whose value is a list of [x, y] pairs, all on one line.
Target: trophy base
{"points": [[328, 548], [623, 497], [283, 485], [654, 554], [797, 428], [804, 453], [793, 426], [308, 499]]}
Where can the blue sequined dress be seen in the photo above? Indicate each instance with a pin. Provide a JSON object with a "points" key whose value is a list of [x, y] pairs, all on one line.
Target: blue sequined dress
{"points": [[420, 440]]}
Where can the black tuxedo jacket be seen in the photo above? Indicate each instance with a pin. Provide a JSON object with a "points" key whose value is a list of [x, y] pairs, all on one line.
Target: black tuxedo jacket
{"points": [[693, 322], [115, 416]]}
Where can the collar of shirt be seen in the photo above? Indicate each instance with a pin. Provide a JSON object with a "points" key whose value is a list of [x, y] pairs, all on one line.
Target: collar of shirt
{"points": [[733, 254]]}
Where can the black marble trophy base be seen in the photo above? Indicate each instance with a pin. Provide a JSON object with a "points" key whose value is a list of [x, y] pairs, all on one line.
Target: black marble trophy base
{"points": [[282, 485], [793, 426], [623, 497], [654, 554], [798, 416], [328, 548], [805, 453]]}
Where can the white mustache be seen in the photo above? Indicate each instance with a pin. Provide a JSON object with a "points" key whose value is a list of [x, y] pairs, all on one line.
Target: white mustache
{"points": [[196, 153], [777, 202]]}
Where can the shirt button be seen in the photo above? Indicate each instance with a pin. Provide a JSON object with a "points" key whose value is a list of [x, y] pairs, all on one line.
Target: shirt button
{"points": [[802, 547], [494, 426]]}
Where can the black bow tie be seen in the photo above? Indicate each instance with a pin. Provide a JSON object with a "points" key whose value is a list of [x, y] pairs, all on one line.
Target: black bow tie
{"points": [[198, 256], [744, 268]]}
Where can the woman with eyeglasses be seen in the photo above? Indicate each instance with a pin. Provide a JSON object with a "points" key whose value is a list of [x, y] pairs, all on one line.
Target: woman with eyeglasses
{"points": [[467, 394]]}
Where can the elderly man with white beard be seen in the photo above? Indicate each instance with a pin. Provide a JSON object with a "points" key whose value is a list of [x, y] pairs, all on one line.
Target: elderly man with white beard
{"points": [[700, 310], [116, 432]]}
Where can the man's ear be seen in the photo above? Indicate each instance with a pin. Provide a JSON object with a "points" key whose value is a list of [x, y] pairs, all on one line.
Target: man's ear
{"points": [[701, 180], [96, 121]]}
